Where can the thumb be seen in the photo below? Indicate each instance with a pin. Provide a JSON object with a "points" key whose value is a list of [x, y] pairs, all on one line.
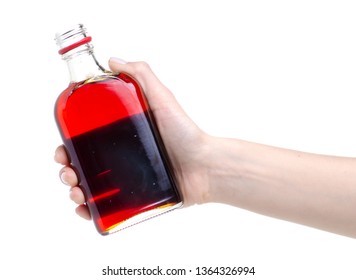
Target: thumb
{"points": [[140, 71], [156, 93]]}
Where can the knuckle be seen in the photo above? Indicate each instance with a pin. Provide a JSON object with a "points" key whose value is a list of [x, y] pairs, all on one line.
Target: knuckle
{"points": [[141, 67]]}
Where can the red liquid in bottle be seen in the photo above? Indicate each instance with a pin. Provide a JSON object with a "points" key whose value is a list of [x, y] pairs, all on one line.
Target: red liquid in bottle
{"points": [[115, 150]]}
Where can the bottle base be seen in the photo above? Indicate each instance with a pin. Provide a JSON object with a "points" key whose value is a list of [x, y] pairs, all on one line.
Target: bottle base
{"points": [[142, 217]]}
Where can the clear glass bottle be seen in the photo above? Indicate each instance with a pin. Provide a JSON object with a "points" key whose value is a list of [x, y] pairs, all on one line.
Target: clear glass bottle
{"points": [[112, 140]]}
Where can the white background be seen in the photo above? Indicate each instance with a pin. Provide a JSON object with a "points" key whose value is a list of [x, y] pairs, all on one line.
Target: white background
{"points": [[275, 72]]}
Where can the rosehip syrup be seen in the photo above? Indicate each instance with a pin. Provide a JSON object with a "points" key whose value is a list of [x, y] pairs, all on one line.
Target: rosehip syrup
{"points": [[115, 149]]}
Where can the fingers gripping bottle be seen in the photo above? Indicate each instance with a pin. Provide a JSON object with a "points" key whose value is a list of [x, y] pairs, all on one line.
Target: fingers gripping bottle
{"points": [[111, 140]]}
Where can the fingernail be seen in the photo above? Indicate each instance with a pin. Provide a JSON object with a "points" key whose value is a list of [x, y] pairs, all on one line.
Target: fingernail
{"points": [[117, 60], [63, 179]]}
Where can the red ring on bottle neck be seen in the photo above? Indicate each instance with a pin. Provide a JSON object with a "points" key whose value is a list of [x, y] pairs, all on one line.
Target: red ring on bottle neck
{"points": [[83, 41]]}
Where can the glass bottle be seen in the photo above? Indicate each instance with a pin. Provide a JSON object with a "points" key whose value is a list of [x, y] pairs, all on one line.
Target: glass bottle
{"points": [[112, 140]]}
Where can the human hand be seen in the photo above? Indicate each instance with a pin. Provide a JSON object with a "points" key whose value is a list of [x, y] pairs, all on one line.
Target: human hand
{"points": [[186, 145]]}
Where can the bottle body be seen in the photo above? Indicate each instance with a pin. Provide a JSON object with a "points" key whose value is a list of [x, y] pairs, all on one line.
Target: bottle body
{"points": [[116, 151]]}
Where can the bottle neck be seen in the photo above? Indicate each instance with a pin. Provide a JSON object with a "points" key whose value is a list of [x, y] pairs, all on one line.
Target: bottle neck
{"points": [[83, 66], [76, 49]]}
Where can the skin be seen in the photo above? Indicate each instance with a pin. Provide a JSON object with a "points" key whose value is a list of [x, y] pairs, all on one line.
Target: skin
{"points": [[314, 190]]}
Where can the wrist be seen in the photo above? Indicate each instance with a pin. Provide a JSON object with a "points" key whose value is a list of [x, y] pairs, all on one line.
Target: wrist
{"points": [[224, 170]]}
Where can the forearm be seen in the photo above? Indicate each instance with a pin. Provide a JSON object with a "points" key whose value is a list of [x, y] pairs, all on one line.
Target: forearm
{"points": [[314, 190]]}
